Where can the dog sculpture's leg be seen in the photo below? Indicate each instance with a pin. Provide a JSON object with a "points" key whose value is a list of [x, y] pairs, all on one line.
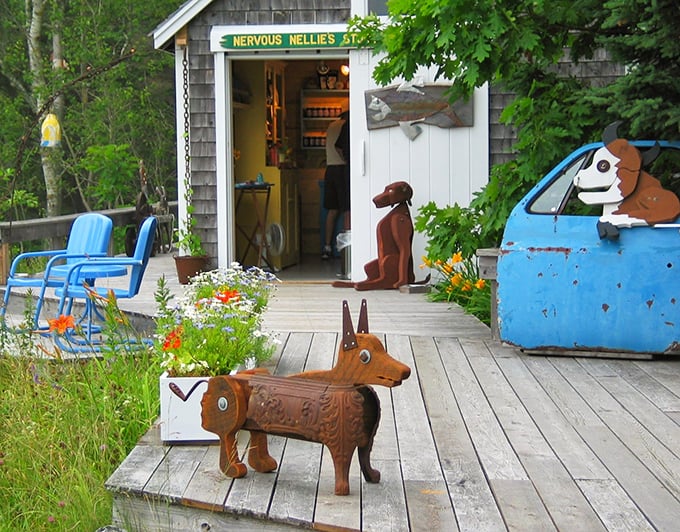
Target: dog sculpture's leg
{"points": [[258, 453], [224, 413], [371, 421], [342, 458]]}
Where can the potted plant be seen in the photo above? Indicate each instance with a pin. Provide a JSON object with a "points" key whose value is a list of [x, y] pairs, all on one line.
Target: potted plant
{"points": [[214, 328]]}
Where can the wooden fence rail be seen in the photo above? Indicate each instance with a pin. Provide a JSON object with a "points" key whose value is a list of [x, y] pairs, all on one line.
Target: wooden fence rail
{"points": [[52, 227]]}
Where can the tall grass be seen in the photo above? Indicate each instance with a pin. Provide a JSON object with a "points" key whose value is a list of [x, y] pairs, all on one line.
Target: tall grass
{"points": [[64, 428]]}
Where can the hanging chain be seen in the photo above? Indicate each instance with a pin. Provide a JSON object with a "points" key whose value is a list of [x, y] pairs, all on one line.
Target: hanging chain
{"points": [[187, 146]]}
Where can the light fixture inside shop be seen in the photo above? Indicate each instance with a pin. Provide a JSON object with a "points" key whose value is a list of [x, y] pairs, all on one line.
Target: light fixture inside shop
{"points": [[344, 70]]}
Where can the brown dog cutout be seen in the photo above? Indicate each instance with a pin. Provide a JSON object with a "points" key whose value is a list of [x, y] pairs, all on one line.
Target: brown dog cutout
{"points": [[394, 265]]}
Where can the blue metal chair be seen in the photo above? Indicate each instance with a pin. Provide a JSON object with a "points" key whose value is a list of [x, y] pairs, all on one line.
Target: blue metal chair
{"points": [[75, 286], [89, 237]]}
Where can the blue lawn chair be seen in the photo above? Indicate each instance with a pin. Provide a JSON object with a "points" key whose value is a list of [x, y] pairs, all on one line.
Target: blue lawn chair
{"points": [[89, 237], [75, 287]]}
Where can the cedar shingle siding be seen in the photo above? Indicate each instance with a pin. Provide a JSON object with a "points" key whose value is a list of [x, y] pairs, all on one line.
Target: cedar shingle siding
{"points": [[202, 79]]}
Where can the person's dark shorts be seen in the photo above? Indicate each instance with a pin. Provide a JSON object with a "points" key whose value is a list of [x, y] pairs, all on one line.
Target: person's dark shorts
{"points": [[336, 188]]}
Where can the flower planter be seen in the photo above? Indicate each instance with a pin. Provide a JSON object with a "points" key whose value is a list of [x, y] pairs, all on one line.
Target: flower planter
{"points": [[180, 420], [189, 265]]}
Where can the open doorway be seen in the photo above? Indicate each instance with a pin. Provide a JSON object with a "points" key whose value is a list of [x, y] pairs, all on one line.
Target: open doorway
{"points": [[281, 112]]}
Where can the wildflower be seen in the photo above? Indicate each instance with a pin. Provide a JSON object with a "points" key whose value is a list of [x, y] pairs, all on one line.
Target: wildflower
{"points": [[448, 268], [480, 283], [51, 519], [467, 286], [61, 324], [457, 257], [426, 262], [173, 340], [227, 296]]}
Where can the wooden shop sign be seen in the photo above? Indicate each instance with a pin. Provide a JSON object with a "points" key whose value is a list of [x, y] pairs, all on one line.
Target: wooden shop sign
{"points": [[262, 38]]}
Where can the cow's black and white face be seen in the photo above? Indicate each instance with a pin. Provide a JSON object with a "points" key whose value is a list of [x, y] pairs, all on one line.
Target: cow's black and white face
{"points": [[601, 178]]}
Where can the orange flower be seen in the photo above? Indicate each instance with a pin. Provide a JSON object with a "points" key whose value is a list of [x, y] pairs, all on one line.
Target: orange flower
{"points": [[448, 268], [61, 324], [457, 257], [426, 262], [456, 279], [467, 286], [226, 296], [481, 283], [173, 340]]}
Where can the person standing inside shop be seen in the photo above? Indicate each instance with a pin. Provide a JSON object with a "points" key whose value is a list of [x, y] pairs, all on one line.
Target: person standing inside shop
{"points": [[336, 180]]}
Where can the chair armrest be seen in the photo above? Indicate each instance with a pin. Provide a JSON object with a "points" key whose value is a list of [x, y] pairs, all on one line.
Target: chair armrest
{"points": [[32, 254], [64, 256], [73, 273]]}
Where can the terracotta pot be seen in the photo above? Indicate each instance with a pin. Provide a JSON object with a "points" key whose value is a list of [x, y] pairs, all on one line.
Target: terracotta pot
{"points": [[188, 266]]}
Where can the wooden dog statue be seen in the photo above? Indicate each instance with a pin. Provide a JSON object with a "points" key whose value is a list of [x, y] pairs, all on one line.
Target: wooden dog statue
{"points": [[394, 265], [335, 407]]}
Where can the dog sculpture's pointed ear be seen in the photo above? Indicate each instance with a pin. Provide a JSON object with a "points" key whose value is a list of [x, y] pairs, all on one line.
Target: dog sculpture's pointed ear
{"points": [[349, 339], [362, 325], [649, 156], [610, 133]]}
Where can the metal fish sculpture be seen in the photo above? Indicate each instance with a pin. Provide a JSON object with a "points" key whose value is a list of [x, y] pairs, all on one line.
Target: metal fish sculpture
{"points": [[408, 104]]}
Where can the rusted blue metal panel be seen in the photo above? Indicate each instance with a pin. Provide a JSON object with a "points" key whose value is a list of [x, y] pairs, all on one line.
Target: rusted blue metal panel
{"points": [[562, 286]]}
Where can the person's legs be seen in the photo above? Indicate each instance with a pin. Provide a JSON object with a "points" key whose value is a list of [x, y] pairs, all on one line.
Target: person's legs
{"points": [[331, 202], [331, 216]]}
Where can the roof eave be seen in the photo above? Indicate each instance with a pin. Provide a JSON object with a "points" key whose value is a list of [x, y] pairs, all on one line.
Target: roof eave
{"points": [[166, 30]]}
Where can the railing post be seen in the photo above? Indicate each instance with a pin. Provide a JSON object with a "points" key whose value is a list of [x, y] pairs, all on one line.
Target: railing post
{"points": [[488, 258], [4, 262]]}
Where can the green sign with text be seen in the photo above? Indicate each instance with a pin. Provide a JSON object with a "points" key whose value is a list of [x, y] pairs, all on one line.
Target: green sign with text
{"points": [[287, 41]]}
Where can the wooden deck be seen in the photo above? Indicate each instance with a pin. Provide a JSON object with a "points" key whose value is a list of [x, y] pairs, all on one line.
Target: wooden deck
{"points": [[480, 437]]}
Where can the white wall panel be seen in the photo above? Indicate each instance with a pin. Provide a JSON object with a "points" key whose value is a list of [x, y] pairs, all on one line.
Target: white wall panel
{"points": [[442, 165]]}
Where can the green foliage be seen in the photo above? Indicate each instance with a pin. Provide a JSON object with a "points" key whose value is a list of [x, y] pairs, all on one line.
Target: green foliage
{"points": [[517, 45], [15, 203], [66, 427], [457, 281], [130, 104], [113, 172]]}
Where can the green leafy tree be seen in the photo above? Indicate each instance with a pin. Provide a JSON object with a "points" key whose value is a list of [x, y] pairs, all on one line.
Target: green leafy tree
{"points": [[517, 44], [76, 59]]}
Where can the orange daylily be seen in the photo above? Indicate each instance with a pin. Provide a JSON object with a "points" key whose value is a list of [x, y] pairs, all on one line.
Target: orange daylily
{"points": [[456, 279], [481, 283], [457, 257], [61, 324], [467, 286]]}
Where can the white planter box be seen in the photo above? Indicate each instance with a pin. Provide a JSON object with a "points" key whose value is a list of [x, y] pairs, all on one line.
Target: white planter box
{"points": [[181, 420]]}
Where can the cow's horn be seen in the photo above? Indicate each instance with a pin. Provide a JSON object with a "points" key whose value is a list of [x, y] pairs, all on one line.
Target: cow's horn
{"points": [[610, 133], [651, 154]]}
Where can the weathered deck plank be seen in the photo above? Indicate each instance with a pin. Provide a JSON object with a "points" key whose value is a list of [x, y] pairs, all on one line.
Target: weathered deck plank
{"points": [[481, 437], [473, 502]]}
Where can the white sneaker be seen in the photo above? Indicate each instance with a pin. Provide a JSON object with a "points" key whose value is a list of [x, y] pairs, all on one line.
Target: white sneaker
{"points": [[326, 253]]}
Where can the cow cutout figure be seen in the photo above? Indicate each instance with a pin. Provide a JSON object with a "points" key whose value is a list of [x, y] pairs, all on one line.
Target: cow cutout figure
{"points": [[629, 196], [336, 407], [394, 266]]}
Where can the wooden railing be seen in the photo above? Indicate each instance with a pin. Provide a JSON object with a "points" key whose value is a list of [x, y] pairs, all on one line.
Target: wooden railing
{"points": [[52, 227]]}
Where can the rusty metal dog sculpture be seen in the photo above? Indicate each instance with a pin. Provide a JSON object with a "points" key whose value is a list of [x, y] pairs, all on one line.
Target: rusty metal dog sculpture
{"points": [[335, 407]]}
